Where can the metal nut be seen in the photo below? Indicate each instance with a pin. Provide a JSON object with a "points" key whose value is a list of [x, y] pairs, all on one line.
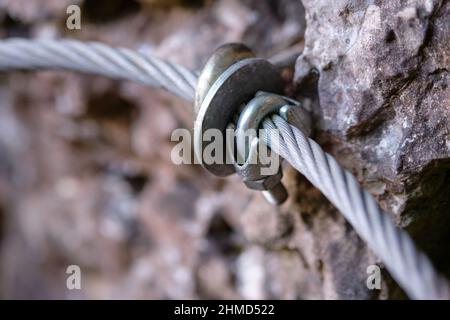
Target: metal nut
{"points": [[297, 116], [267, 183]]}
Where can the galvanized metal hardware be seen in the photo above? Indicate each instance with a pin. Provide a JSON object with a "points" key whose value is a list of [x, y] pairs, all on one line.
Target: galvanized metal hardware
{"points": [[225, 90], [408, 265], [247, 164], [221, 60], [236, 85]]}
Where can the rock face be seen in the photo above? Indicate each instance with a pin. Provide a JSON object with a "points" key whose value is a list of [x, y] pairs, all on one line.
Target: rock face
{"points": [[86, 177], [384, 106]]}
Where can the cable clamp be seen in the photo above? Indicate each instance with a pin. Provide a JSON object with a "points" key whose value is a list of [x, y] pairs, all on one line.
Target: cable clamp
{"points": [[236, 91]]}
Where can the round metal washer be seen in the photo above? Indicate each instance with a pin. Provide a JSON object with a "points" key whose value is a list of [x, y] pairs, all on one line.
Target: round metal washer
{"points": [[236, 86]]}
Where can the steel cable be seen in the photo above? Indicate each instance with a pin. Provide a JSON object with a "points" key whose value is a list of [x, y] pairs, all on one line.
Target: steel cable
{"points": [[97, 58], [408, 266]]}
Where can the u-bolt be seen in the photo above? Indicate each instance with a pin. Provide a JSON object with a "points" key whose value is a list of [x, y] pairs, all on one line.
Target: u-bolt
{"points": [[249, 149]]}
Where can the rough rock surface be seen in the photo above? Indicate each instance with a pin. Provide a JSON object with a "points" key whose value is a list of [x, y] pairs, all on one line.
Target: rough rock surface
{"points": [[85, 170], [385, 104], [86, 176]]}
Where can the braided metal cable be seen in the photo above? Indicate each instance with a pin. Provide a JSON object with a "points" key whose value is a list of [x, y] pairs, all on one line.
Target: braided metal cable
{"points": [[408, 266], [97, 58], [411, 269]]}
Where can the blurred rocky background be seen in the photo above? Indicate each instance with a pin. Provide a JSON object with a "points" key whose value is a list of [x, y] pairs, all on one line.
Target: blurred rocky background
{"points": [[86, 177]]}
